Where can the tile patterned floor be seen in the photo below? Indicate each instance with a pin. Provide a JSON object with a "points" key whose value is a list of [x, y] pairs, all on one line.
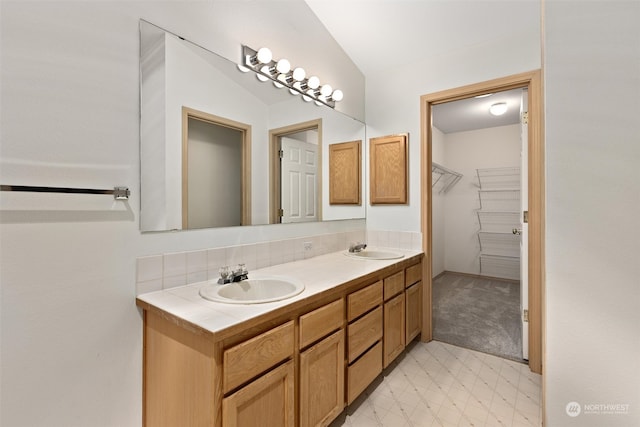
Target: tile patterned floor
{"points": [[440, 385]]}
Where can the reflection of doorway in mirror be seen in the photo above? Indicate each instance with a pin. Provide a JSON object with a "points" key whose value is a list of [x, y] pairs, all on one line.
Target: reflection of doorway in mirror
{"points": [[215, 189], [295, 190], [299, 175]]}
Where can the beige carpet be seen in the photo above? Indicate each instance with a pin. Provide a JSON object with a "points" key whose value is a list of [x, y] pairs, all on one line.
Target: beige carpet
{"points": [[479, 314]]}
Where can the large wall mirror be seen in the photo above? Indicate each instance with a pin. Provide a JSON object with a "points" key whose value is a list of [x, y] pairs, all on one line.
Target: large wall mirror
{"points": [[218, 146]]}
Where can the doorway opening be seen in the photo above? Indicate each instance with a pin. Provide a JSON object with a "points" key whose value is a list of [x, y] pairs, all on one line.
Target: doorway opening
{"points": [[295, 173], [216, 171], [535, 150], [476, 260]]}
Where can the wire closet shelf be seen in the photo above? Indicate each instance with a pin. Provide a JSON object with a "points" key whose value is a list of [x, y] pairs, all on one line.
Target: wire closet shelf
{"points": [[498, 216]]}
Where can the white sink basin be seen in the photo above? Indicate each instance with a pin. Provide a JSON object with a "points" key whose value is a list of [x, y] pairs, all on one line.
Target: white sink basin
{"points": [[253, 290], [374, 254]]}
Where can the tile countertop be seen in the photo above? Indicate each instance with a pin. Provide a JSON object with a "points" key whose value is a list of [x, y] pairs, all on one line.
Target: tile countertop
{"points": [[318, 274]]}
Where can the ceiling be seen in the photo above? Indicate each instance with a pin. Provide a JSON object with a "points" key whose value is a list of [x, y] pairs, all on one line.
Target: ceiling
{"points": [[473, 113], [379, 34]]}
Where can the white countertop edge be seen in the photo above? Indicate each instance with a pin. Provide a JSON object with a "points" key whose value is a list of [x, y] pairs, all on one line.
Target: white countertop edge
{"points": [[318, 274]]}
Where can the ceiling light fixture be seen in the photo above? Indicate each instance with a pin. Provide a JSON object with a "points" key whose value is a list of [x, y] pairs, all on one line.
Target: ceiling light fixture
{"points": [[498, 109], [281, 74]]}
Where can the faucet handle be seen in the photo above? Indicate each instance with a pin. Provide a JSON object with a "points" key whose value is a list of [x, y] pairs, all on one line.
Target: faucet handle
{"points": [[224, 271], [240, 269]]}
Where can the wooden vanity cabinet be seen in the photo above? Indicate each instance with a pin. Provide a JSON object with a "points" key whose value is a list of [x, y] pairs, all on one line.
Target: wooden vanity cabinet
{"points": [[413, 302], [296, 368], [364, 345], [402, 310], [269, 399], [322, 365], [394, 317]]}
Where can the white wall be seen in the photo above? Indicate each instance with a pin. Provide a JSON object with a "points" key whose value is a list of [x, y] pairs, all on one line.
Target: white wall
{"points": [[71, 336], [592, 96], [465, 152], [393, 104]]}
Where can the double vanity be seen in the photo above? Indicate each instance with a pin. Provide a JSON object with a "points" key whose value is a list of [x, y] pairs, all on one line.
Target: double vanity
{"points": [[292, 346]]}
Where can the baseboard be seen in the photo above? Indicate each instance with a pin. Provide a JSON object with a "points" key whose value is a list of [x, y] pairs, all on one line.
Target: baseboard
{"points": [[478, 276]]}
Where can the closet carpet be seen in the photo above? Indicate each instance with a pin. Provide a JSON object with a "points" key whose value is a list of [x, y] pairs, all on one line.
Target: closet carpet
{"points": [[478, 313]]}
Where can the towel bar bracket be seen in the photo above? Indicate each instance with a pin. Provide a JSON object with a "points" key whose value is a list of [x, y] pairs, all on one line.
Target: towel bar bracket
{"points": [[121, 193]]}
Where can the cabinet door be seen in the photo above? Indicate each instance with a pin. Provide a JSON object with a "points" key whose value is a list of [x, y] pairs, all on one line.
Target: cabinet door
{"points": [[388, 167], [413, 324], [322, 381], [394, 334], [344, 173], [266, 402]]}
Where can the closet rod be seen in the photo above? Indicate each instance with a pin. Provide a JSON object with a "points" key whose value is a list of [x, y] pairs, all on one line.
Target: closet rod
{"points": [[119, 193]]}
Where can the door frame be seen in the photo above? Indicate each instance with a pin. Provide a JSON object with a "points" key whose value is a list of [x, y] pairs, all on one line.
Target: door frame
{"points": [[274, 165], [245, 185], [533, 82]]}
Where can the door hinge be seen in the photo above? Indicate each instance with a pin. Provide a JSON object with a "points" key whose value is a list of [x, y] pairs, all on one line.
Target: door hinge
{"points": [[525, 118], [525, 315], [525, 217], [280, 212], [281, 154]]}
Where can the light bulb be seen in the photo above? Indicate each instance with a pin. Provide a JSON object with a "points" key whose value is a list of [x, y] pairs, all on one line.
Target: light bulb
{"points": [[283, 66], [326, 90], [337, 95], [243, 68], [265, 70], [299, 74], [306, 98], [313, 82], [498, 109], [264, 55]]}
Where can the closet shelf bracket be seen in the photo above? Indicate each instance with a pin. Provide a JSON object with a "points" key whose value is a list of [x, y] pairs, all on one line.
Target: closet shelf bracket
{"points": [[447, 177]]}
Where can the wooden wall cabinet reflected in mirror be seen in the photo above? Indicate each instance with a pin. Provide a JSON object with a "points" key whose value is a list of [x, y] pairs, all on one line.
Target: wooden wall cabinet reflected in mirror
{"points": [[389, 168], [345, 165]]}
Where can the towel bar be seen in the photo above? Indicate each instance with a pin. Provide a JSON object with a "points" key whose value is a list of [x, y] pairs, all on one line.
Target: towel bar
{"points": [[119, 193]]}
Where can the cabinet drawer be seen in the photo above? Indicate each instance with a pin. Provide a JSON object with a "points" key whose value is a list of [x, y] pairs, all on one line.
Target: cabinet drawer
{"points": [[252, 357], [363, 333], [363, 372], [393, 285], [413, 274], [364, 300], [321, 322]]}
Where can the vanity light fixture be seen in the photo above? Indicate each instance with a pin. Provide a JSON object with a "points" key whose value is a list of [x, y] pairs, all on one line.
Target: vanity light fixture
{"points": [[498, 108], [281, 74]]}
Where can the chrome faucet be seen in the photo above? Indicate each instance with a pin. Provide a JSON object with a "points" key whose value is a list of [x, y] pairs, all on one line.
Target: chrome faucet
{"points": [[357, 247], [237, 274]]}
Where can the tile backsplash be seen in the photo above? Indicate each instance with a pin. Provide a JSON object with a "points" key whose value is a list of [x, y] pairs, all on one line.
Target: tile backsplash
{"points": [[164, 271]]}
